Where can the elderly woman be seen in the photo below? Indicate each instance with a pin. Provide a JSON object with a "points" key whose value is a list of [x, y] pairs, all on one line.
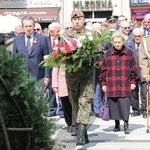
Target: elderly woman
{"points": [[118, 78]]}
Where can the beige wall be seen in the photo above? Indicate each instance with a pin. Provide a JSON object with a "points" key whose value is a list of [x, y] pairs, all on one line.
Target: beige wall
{"points": [[120, 7]]}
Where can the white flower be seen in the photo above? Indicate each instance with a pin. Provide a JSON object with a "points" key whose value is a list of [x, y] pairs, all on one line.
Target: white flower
{"points": [[89, 33], [90, 38], [79, 44], [62, 48], [55, 48], [81, 38]]}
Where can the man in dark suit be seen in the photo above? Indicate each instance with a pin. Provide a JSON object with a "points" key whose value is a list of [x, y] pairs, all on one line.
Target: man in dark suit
{"points": [[134, 44], [33, 47]]}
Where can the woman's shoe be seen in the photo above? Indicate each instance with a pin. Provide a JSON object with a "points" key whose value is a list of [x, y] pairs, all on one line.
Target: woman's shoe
{"points": [[126, 131], [116, 129], [126, 127]]}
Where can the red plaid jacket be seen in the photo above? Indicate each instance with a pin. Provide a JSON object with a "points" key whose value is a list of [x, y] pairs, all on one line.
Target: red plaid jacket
{"points": [[118, 72]]}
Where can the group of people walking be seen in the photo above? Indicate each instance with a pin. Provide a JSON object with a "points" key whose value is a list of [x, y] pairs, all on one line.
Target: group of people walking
{"points": [[124, 70]]}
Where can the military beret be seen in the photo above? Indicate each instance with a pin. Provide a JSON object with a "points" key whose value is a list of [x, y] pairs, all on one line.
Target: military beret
{"points": [[112, 19], [76, 14]]}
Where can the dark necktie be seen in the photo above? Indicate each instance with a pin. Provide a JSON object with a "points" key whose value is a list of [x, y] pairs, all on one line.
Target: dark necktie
{"points": [[148, 32], [28, 44], [137, 49]]}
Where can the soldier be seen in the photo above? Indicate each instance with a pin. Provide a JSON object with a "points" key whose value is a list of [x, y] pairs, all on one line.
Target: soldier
{"points": [[144, 58], [112, 23], [80, 84]]}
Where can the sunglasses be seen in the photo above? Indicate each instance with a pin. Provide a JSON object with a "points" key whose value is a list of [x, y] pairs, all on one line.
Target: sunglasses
{"points": [[126, 27], [137, 36], [38, 29], [68, 28]]}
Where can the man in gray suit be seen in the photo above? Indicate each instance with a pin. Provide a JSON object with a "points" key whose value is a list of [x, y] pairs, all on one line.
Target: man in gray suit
{"points": [[134, 44], [33, 47], [53, 39]]}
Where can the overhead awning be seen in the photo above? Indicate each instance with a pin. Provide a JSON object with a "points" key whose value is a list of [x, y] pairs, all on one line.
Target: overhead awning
{"points": [[39, 14]]}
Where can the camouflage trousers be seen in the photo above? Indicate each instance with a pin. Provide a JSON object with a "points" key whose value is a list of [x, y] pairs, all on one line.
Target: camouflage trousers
{"points": [[81, 93]]}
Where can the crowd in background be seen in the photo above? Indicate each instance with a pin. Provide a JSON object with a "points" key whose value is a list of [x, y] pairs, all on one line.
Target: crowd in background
{"points": [[59, 104]]}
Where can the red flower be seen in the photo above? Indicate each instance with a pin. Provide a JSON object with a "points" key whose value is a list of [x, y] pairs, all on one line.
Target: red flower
{"points": [[55, 53], [73, 42], [35, 41], [68, 48]]}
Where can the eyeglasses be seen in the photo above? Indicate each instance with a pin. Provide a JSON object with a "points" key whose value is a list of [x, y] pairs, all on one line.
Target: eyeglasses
{"points": [[126, 27], [68, 28], [137, 36], [38, 29]]}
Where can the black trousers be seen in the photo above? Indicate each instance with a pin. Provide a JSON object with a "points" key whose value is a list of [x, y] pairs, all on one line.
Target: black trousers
{"points": [[67, 108], [135, 97]]}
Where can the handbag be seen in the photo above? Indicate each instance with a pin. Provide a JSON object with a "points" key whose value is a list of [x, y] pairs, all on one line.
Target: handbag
{"points": [[104, 109]]}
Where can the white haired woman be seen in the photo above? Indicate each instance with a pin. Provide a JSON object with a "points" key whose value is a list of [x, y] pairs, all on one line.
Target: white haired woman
{"points": [[118, 78]]}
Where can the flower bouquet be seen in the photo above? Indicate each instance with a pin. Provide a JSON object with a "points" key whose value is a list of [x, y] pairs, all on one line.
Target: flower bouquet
{"points": [[75, 52]]}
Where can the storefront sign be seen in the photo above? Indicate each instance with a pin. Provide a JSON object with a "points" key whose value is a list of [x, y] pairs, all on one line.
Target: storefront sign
{"points": [[93, 5], [29, 3], [139, 3], [139, 13], [40, 14]]}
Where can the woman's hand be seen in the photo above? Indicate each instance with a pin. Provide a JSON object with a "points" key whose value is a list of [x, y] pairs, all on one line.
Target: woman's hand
{"points": [[55, 89], [104, 88], [133, 86]]}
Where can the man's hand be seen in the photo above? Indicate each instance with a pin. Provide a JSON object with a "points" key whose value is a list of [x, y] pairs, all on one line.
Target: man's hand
{"points": [[133, 86], [46, 81], [55, 89], [104, 88], [147, 78]]}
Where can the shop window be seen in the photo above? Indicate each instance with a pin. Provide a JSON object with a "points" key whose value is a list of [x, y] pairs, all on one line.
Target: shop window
{"points": [[88, 14], [97, 14], [102, 14]]}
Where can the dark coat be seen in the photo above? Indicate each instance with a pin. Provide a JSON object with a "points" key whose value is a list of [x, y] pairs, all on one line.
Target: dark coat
{"points": [[118, 72], [2, 43]]}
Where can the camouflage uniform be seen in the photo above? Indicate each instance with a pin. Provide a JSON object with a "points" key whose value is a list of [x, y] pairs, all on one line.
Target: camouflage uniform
{"points": [[80, 87], [144, 59]]}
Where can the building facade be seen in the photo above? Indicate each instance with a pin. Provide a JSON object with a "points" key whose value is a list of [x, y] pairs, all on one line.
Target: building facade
{"points": [[95, 10], [47, 11]]}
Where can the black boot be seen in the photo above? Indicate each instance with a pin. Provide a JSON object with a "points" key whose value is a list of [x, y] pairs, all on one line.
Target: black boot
{"points": [[117, 126], [74, 131], [126, 127], [81, 135], [86, 137]]}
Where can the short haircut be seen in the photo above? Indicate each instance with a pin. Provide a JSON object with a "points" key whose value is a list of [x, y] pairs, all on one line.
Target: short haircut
{"points": [[27, 18], [118, 34], [17, 26], [141, 30], [38, 24], [53, 25]]}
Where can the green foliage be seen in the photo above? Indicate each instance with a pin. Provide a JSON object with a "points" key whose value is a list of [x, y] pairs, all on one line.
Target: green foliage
{"points": [[87, 50], [19, 90]]}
